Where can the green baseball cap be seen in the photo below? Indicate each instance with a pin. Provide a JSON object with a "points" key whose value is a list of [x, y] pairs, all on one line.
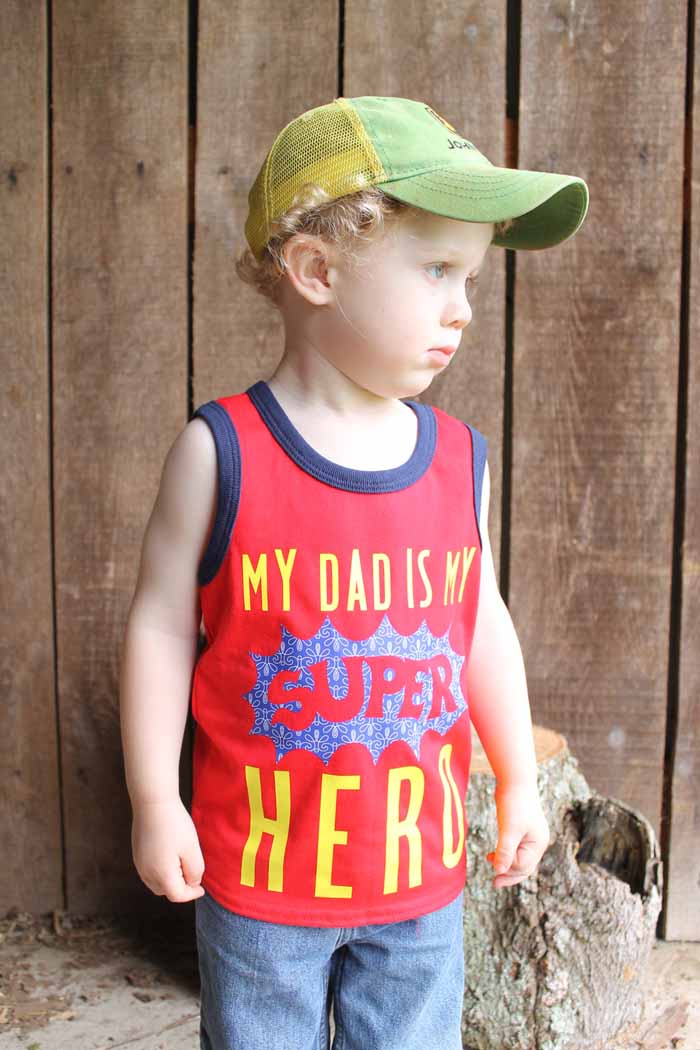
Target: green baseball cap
{"points": [[414, 154]]}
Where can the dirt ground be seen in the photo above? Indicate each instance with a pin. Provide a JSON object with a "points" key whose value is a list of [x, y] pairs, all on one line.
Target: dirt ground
{"points": [[71, 983]]}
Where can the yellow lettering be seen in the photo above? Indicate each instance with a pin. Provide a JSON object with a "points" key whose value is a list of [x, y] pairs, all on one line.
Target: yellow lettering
{"points": [[451, 576], [278, 827], [356, 586], [407, 827], [466, 565], [285, 568], [258, 577], [422, 555], [325, 560], [450, 856], [329, 836], [377, 560], [409, 576]]}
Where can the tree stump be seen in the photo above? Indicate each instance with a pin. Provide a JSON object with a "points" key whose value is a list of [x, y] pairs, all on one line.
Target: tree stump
{"points": [[557, 962]]}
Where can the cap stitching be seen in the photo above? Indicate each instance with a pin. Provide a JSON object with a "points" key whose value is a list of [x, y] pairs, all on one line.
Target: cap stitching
{"points": [[431, 184]]}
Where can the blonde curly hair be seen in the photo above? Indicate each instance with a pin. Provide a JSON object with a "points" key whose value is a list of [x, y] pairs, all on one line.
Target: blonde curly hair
{"points": [[343, 221]]}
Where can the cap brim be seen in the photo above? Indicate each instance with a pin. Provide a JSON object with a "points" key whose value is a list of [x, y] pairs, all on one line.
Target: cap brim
{"points": [[547, 207]]}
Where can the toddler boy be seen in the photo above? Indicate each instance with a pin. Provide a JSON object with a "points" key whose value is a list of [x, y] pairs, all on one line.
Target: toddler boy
{"points": [[332, 533]]}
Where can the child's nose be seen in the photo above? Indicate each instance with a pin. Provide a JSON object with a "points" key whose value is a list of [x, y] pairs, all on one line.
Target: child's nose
{"points": [[461, 313]]}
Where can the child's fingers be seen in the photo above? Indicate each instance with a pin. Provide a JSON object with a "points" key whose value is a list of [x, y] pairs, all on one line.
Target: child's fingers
{"points": [[192, 863], [513, 876], [178, 891], [182, 883], [190, 893], [500, 882]]}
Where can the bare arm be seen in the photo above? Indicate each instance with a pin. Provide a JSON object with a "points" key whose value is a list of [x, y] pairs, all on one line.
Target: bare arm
{"points": [[496, 683], [158, 657], [500, 711], [160, 644]]}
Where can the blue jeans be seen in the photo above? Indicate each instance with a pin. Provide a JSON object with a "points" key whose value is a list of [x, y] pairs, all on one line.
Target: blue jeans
{"points": [[269, 986]]}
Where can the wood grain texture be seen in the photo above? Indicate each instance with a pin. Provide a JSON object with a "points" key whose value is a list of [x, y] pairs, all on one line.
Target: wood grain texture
{"points": [[120, 384], [682, 908], [596, 375], [260, 65], [30, 828]]}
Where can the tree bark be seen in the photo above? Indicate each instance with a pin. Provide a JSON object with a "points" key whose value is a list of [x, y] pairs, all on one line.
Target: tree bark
{"points": [[557, 962]]}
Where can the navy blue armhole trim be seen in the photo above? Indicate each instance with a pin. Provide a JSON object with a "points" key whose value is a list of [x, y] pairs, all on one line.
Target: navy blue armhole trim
{"points": [[228, 457], [479, 445]]}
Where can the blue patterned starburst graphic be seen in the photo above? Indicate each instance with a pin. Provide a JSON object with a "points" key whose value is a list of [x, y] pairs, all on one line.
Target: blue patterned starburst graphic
{"points": [[346, 696]]}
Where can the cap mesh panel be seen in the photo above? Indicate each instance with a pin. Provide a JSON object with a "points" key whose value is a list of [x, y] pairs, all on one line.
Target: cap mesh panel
{"points": [[327, 145]]}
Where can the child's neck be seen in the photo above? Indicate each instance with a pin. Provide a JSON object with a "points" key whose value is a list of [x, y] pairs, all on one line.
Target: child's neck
{"points": [[382, 442]]}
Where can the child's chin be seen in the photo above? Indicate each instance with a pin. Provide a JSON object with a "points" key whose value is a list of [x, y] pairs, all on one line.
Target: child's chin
{"points": [[421, 386]]}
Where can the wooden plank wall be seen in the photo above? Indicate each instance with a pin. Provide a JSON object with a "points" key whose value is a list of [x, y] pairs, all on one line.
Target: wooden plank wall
{"points": [[30, 826], [682, 766], [578, 366], [596, 355]]}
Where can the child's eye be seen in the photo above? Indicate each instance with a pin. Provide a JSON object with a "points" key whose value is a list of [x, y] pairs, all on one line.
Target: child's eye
{"points": [[431, 266]]}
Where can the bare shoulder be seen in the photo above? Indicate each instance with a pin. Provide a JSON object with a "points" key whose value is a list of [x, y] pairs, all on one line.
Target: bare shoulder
{"points": [[188, 482], [178, 531]]}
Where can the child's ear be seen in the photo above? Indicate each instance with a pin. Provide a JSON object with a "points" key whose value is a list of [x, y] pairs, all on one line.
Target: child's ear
{"points": [[307, 264]]}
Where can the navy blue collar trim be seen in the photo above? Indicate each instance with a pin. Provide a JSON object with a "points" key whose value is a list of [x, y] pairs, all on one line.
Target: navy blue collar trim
{"points": [[341, 477]]}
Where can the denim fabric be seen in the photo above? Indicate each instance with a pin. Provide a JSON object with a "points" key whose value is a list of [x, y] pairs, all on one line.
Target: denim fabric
{"points": [[269, 986]]}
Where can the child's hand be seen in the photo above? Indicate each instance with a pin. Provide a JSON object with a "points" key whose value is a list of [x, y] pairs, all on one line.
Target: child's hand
{"points": [[166, 850], [523, 835]]}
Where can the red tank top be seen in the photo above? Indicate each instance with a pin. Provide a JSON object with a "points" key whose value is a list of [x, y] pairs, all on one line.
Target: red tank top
{"points": [[332, 730]]}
